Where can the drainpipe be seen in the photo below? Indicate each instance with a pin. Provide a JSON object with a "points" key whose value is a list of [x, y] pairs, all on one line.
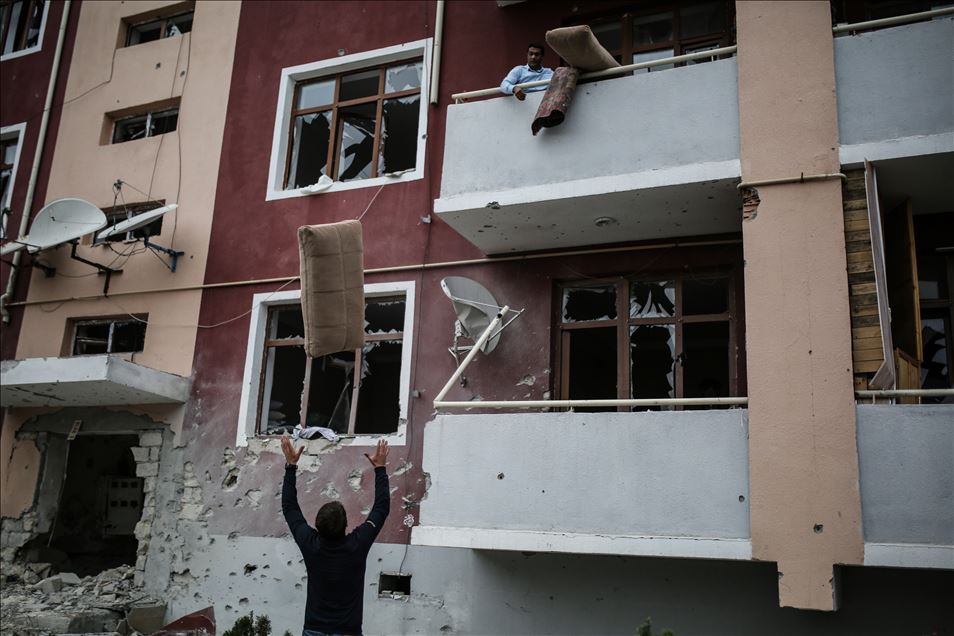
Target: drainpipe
{"points": [[436, 54], [37, 157]]}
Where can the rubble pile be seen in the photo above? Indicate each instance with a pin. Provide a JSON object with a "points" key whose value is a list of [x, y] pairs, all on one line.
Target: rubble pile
{"points": [[34, 604]]}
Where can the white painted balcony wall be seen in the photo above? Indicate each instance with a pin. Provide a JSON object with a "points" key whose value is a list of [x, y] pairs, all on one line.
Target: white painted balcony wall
{"points": [[658, 152], [651, 483], [906, 465]]}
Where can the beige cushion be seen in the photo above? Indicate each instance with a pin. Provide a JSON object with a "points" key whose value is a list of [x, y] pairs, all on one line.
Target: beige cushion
{"points": [[332, 287], [579, 47]]}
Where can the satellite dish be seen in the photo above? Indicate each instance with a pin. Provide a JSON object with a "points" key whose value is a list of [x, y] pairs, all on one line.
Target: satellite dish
{"points": [[59, 222], [475, 307], [136, 222]]}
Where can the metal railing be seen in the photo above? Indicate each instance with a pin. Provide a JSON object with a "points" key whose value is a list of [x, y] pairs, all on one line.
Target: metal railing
{"points": [[726, 50], [610, 72]]}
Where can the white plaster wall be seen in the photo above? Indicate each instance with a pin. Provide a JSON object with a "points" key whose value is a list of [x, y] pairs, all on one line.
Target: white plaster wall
{"points": [[664, 119], [906, 459], [896, 83], [456, 591], [662, 474]]}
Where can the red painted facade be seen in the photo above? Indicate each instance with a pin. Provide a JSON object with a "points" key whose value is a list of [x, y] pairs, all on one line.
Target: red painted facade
{"points": [[25, 81], [254, 239]]}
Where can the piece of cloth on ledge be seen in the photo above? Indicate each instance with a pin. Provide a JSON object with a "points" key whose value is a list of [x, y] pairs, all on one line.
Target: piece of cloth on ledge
{"points": [[332, 287], [556, 101]]}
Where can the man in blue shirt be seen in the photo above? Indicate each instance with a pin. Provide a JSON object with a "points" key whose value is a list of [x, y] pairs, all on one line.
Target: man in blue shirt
{"points": [[532, 71]]}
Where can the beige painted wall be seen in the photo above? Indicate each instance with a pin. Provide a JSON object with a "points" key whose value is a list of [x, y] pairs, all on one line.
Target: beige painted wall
{"points": [[805, 501], [196, 68]]}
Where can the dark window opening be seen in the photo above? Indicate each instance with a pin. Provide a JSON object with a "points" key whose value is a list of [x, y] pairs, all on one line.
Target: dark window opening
{"points": [[88, 505], [120, 213], [332, 399], [355, 125], [8, 157], [158, 29], [675, 341], [108, 336], [20, 21], [642, 34], [145, 125], [394, 584], [853, 11]]}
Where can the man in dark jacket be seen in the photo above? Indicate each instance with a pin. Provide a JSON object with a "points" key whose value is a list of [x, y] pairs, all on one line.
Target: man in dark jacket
{"points": [[335, 562]]}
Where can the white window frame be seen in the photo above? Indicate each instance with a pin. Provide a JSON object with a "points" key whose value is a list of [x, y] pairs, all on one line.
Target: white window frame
{"points": [[254, 359], [36, 48], [286, 92], [18, 132]]}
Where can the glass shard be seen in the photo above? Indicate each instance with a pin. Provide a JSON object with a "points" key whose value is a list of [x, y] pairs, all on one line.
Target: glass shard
{"points": [[652, 299], [357, 141], [384, 315], [379, 395], [589, 303], [403, 77], [399, 134], [310, 137]]}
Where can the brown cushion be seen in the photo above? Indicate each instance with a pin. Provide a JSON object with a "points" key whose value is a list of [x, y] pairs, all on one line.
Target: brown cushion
{"points": [[579, 47], [332, 287]]}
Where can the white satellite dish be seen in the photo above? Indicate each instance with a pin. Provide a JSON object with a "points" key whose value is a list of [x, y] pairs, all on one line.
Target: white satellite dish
{"points": [[59, 222], [136, 222], [475, 307]]}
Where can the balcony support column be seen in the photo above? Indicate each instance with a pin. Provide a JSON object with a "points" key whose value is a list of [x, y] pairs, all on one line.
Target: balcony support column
{"points": [[805, 501]]}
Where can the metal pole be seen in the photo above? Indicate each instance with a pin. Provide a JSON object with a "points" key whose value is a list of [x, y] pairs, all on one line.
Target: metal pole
{"points": [[473, 352]]}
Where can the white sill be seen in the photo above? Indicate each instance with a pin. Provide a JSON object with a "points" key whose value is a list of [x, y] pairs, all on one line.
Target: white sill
{"points": [[342, 186], [9, 56], [320, 444]]}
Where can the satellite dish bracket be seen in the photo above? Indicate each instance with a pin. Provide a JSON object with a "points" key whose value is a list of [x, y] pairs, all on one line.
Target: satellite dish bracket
{"points": [[102, 268], [173, 254]]}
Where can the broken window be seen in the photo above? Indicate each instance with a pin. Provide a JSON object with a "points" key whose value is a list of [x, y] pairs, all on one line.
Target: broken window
{"points": [[120, 213], [8, 159], [144, 125], [676, 340], [642, 34], [351, 392], [355, 125], [853, 11], [149, 30], [109, 336], [20, 24]]}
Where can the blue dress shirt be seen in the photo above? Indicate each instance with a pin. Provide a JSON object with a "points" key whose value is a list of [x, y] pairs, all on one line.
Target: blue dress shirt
{"points": [[523, 74]]}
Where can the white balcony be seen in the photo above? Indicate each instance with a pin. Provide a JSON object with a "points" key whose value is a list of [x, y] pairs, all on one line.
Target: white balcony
{"points": [[652, 483], [99, 380], [656, 152]]}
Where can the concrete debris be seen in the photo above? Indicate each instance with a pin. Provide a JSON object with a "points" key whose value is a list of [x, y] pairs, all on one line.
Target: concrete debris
{"points": [[64, 603]]}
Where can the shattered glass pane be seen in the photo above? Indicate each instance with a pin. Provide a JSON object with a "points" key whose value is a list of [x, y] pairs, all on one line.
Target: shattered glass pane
{"points": [[356, 85], [33, 30], [652, 299], [652, 356], [315, 94], [128, 336], [310, 138], [286, 322], [399, 134], [379, 395], [593, 366], [589, 303], [652, 29], [701, 18], [130, 128], [91, 338], [403, 77], [163, 122], [9, 39], [286, 372], [357, 141], [384, 315], [177, 25], [329, 393], [935, 373], [706, 296], [705, 361]]}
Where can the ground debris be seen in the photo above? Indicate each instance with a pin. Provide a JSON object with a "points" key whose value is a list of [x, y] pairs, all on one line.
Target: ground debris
{"points": [[66, 604]]}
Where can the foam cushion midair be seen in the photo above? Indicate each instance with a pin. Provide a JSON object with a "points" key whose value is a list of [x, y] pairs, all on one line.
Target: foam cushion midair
{"points": [[580, 48], [332, 287]]}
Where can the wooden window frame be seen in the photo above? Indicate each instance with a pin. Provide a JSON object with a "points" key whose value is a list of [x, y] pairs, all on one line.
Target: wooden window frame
{"points": [[625, 16], [76, 323], [334, 145], [163, 23], [149, 114], [623, 322], [23, 29], [309, 362]]}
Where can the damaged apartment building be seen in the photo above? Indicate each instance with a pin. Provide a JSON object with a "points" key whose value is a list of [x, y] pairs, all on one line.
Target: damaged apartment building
{"points": [[720, 394]]}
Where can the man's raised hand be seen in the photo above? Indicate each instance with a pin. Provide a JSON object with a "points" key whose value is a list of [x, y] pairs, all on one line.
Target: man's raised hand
{"points": [[291, 455], [380, 457]]}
